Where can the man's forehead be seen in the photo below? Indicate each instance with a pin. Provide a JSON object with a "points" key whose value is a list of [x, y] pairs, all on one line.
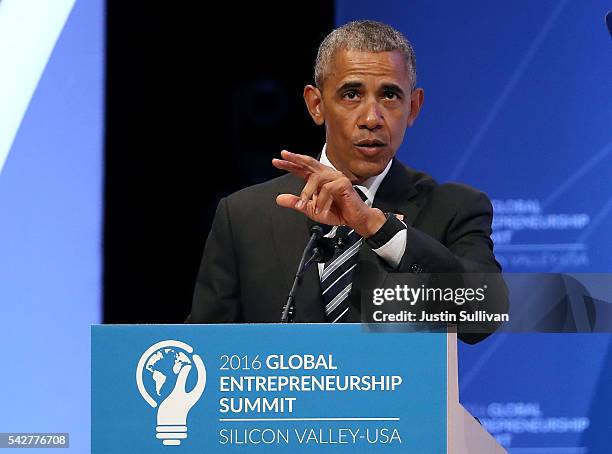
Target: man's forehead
{"points": [[354, 66]]}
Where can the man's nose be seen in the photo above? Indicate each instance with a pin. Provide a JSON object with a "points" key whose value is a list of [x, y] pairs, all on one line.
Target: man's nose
{"points": [[372, 117]]}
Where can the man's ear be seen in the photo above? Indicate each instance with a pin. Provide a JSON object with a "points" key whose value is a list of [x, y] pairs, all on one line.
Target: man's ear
{"points": [[314, 103], [416, 102]]}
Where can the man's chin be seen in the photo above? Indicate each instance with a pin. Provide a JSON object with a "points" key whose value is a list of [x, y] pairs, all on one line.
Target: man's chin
{"points": [[364, 170]]}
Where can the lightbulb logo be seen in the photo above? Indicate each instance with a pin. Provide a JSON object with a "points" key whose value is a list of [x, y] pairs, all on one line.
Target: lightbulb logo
{"points": [[164, 372]]}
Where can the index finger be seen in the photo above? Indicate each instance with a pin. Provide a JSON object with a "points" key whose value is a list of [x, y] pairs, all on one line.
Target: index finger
{"points": [[303, 160]]}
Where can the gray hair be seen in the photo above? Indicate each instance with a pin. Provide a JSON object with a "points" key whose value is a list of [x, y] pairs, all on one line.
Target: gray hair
{"points": [[364, 36]]}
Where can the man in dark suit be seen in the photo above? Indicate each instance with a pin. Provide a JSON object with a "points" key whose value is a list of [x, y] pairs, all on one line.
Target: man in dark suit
{"points": [[400, 220]]}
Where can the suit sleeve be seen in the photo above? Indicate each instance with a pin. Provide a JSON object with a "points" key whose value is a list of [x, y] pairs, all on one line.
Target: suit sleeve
{"points": [[216, 297], [464, 259], [467, 248]]}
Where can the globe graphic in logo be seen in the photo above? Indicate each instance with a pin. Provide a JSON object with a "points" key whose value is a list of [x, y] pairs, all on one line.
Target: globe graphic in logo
{"points": [[162, 369], [171, 378]]}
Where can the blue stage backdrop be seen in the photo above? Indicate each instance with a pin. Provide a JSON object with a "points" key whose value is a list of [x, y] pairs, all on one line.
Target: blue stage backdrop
{"points": [[518, 103], [51, 135]]}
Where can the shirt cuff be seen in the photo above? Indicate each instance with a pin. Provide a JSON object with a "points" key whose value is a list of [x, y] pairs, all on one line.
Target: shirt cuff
{"points": [[389, 243]]}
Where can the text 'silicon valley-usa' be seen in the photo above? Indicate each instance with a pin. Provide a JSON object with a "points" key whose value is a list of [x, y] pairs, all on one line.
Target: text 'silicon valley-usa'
{"points": [[163, 376]]}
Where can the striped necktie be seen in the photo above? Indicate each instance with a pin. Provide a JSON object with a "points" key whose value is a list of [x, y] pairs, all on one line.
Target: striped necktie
{"points": [[337, 274]]}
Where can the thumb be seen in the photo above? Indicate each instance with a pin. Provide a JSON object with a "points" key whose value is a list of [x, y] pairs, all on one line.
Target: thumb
{"points": [[182, 378], [287, 201]]}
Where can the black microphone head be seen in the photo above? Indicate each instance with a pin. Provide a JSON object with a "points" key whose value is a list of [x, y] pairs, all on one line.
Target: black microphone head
{"points": [[609, 22], [320, 229], [326, 248], [341, 238]]}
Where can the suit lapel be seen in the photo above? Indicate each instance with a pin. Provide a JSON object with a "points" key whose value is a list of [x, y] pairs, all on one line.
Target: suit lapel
{"points": [[397, 194], [290, 231]]}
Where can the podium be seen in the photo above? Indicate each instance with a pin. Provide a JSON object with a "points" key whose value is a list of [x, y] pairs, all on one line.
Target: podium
{"points": [[283, 387]]}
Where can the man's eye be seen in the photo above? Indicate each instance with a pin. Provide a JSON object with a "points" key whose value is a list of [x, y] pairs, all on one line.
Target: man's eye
{"points": [[391, 95], [350, 94]]}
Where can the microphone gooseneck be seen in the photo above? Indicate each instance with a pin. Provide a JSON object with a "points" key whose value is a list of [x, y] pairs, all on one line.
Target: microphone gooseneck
{"points": [[315, 250]]}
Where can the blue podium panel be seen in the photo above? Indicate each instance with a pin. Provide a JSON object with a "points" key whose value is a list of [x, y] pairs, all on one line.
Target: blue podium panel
{"points": [[253, 388]]}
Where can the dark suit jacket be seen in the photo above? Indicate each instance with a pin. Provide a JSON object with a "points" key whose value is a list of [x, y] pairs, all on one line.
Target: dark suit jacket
{"points": [[254, 247]]}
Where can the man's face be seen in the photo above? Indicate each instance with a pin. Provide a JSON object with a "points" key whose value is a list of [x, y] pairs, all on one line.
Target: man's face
{"points": [[366, 104]]}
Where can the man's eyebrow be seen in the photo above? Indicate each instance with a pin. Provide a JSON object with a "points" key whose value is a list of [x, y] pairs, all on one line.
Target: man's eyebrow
{"points": [[392, 87], [350, 85]]}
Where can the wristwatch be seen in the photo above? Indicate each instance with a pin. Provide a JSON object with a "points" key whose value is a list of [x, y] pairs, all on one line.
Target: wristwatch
{"points": [[388, 230]]}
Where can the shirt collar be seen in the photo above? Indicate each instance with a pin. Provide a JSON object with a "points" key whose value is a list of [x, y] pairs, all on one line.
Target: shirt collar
{"points": [[369, 186]]}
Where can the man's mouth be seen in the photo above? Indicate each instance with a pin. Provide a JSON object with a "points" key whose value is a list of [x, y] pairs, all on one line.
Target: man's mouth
{"points": [[370, 146]]}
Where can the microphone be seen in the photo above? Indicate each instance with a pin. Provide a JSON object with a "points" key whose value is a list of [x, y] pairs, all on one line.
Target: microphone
{"points": [[341, 238], [318, 249], [323, 251], [609, 22]]}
